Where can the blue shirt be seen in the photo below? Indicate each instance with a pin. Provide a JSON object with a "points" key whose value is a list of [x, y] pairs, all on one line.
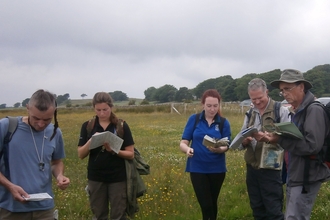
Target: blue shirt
{"points": [[204, 161], [24, 164]]}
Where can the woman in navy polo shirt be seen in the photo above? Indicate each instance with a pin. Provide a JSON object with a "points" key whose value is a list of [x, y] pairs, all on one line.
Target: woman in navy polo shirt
{"points": [[206, 165]]}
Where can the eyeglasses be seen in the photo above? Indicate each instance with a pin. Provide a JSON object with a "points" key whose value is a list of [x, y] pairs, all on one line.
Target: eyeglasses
{"points": [[286, 90]]}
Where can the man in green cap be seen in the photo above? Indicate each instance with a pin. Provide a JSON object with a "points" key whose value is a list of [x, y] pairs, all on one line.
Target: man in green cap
{"points": [[305, 174]]}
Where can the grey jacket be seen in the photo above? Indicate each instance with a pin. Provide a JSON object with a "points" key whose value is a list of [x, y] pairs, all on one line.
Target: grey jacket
{"points": [[314, 128]]}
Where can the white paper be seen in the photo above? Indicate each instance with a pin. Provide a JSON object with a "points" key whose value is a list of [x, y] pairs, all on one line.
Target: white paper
{"points": [[241, 136], [113, 140], [38, 197]]}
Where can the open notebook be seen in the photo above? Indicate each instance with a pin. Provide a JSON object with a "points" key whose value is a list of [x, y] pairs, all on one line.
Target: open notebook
{"points": [[286, 129]]}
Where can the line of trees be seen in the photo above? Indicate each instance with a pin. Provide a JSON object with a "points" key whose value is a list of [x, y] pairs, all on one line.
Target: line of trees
{"points": [[236, 89], [229, 88]]}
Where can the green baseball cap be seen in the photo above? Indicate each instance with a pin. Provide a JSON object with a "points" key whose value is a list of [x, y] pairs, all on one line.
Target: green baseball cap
{"points": [[291, 76]]}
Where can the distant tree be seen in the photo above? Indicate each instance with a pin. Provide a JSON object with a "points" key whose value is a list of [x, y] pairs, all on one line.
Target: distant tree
{"points": [[118, 96], [229, 93], [17, 104], [2, 106], [221, 84], [165, 93], [68, 103], [83, 95], [62, 98], [150, 93], [144, 102], [25, 102], [320, 81], [236, 89], [203, 86], [131, 102], [318, 87], [183, 94]]}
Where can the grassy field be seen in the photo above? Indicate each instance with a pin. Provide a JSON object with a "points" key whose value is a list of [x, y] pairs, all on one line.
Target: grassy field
{"points": [[170, 194]]}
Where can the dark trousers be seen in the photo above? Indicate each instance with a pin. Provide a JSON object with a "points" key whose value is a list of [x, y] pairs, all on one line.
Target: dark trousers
{"points": [[42, 215], [101, 194], [207, 188], [265, 193]]}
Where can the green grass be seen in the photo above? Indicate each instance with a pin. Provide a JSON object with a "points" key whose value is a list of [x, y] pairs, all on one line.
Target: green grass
{"points": [[169, 191]]}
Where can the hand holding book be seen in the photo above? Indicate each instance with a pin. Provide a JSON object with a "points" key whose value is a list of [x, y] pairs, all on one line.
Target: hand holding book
{"points": [[99, 139], [286, 129], [248, 132], [212, 142]]}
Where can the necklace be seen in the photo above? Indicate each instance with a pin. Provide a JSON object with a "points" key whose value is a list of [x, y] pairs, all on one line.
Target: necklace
{"points": [[41, 160]]}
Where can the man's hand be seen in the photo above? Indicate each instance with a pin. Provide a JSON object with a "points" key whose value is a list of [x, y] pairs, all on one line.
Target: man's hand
{"points": [[62, 182], [18, 193], [266, 137], [247, 141]]}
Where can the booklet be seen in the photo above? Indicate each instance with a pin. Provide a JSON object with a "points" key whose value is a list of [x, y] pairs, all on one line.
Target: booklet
{"points": [[212, 142], [98, 139], [286, 129], [241, 136], [38, 197]]}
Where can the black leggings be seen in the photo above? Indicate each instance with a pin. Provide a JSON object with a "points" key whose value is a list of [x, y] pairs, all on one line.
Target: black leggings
{"points": [[207, 188]]}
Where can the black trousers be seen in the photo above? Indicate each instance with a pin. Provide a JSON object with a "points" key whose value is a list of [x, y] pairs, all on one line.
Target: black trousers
{"points": [[265, 191], [207, 188]]}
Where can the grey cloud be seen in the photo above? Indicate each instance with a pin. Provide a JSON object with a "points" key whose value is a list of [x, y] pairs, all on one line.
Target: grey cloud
{"points": [[80, 47]]}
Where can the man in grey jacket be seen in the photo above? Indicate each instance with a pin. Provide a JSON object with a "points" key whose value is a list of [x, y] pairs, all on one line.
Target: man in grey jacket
{"points": [[312, 123]]}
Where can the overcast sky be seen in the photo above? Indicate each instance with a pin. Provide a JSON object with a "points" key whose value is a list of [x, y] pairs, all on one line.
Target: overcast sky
{"points": [[80, 46]]}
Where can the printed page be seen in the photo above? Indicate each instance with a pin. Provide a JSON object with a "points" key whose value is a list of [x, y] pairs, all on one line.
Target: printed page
{"points": [[113, 140], [241, 136], [38, 197]]}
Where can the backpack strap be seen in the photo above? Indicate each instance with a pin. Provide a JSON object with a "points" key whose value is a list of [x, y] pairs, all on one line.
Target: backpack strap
{"points": [[90, 126], [221, 125], [197, 119], [12, 126], [251, 117], [249, 114], [120, 128], [277, 107], [13, 122]]}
